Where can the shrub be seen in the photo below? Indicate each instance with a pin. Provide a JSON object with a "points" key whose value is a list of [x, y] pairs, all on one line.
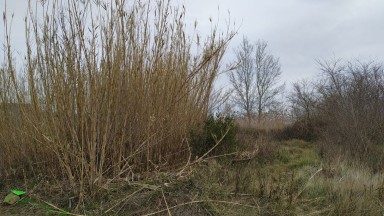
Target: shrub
{"points": [[215, 127], [300, 129], [345, 109], [353, 107]]}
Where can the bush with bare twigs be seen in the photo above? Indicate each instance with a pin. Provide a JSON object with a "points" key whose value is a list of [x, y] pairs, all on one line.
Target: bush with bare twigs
{"points": [[345, 109]]}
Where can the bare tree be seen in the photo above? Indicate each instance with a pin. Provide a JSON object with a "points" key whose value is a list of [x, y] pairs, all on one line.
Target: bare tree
{"points": [[243, 79], [268, 72], [255, 80], [303, 99]]}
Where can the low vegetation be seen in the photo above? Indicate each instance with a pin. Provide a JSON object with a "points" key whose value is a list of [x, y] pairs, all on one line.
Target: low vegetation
{"points": [[109, 114], [294, 181]]}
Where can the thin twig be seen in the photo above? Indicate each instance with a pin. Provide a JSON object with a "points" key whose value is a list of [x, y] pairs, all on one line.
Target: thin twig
{"points": [[306, 185], [200, 201], [202, 157], [166, 204], [57, 209], [127, 197]]}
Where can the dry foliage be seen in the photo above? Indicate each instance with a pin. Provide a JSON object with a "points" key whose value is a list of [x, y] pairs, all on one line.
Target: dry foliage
{"points": [[345, 109], [107, 91]]}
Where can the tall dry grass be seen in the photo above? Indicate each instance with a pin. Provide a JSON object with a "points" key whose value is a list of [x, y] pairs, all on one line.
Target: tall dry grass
{"points": [[107, 91]]}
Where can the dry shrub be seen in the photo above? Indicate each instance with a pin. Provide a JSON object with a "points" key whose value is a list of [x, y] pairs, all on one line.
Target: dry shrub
{"points": [[274, 119], [300, 129], [345, 109], [352, 107], [259, 141], [107, 91]]}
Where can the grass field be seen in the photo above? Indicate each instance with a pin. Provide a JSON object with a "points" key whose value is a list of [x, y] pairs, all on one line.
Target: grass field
{"points": [[294, 181]]}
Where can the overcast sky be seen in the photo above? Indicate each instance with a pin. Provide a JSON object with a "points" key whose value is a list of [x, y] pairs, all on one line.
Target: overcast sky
{"points": [[301, 31], [297, 31]]}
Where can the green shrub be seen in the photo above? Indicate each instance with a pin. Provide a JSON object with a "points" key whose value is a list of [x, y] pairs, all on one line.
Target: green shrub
{"points": [[205, 138]]}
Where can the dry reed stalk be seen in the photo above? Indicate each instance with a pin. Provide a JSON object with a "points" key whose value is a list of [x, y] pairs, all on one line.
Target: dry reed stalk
{"points": [[105, 89]]}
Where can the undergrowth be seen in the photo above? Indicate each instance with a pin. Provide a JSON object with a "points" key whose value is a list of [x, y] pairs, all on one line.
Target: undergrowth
{"points": [[296, 182]]}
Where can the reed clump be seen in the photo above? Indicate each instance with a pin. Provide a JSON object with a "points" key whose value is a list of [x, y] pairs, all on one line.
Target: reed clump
{"points": [[107, 91]]}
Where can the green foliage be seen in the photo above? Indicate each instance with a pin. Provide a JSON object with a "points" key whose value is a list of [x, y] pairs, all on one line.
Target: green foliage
{"points": [[215, 128]]}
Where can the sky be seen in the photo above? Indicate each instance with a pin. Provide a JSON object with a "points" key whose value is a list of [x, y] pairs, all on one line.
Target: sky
{"points": [[299, 32]]}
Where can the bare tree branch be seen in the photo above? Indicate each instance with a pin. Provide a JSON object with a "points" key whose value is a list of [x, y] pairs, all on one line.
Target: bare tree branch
{"points": [[255, 80]]}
